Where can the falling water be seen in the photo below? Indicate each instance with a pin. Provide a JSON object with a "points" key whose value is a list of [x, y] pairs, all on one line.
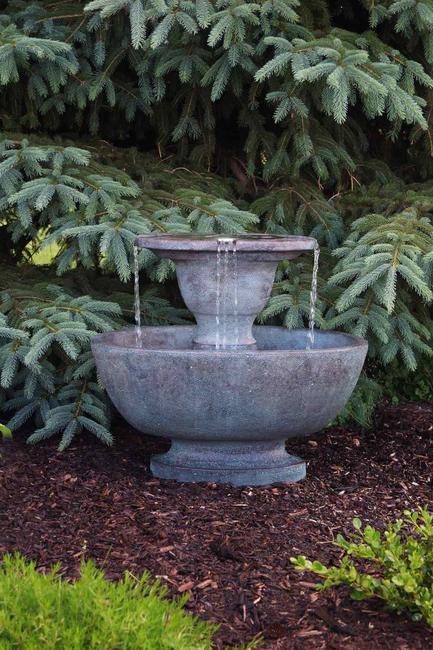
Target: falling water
{"points": [[225, 295], [137, 306], [218, 295], [226, 279], [235, 291], [313, 297]]}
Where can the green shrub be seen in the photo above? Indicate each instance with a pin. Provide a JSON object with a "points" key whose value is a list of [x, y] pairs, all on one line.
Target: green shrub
{"points": [[40, 610], [395, 566], [400, 385]]}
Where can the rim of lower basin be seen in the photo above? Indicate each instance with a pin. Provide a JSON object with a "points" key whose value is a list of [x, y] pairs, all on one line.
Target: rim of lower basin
{"points": [[106, 340]]}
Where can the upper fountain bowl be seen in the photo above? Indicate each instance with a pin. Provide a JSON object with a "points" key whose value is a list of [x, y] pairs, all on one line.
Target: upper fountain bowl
{"points": [[265, 246], [226, 278]]}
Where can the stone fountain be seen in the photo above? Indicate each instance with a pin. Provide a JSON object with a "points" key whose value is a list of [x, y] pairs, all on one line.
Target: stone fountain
{"points": [[226, 393]]}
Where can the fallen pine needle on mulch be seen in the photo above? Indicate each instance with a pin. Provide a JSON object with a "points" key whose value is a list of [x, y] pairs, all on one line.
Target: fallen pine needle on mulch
{"points": [[228, 548]]}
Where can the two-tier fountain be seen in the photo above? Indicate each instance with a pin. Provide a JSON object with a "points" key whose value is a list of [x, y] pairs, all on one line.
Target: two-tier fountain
{"points": [[226, 393]]}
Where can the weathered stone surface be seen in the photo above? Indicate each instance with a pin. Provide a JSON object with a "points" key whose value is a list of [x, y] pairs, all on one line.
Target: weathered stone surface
{"points": [[228, 408], [248, 281], [260, 245], [228, 412]]}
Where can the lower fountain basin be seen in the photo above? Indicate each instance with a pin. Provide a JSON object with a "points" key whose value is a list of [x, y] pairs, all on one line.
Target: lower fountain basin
{"points": [[229, 412]]}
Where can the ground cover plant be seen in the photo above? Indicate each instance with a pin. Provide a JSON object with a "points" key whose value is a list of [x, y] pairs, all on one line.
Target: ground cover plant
{"points": [[42, 610], [394, 565], [119, 117]]}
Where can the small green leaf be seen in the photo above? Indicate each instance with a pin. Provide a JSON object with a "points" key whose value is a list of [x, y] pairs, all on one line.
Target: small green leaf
{"points": [[357, 523], [299, 562], [318, 567], [5, 432]]}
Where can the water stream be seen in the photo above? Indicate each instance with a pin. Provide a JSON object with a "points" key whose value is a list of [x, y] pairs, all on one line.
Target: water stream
{"points": [[218, 296], [313, 298], [137, 306], [235, 290], [226, 291]]}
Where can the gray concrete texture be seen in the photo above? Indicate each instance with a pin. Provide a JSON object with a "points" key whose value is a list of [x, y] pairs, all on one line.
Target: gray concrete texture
{"points": [[248, 279], [228, 412]]}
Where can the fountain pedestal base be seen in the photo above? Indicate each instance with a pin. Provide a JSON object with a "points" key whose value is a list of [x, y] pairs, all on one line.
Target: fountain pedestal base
{"points": [[234, 462]]}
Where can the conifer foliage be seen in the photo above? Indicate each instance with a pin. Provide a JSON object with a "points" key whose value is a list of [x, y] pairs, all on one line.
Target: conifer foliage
{"points": [[119, 117]]}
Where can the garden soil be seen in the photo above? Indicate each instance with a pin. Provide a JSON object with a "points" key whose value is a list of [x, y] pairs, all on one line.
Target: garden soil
{"points": [[227, 548]]}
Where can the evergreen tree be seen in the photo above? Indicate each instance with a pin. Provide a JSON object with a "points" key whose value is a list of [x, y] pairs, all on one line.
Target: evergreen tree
{"points": [[120, 117]]}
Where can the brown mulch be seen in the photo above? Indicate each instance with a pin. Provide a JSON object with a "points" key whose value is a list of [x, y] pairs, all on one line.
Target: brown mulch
{"points": [[227, 547]]}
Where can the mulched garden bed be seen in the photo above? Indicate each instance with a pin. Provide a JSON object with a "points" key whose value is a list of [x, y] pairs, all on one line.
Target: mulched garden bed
{"points": [[227, 547]]}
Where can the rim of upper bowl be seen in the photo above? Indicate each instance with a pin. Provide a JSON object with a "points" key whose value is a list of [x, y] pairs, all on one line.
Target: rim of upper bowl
{"points": [[104, 340], [251, 242]]}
